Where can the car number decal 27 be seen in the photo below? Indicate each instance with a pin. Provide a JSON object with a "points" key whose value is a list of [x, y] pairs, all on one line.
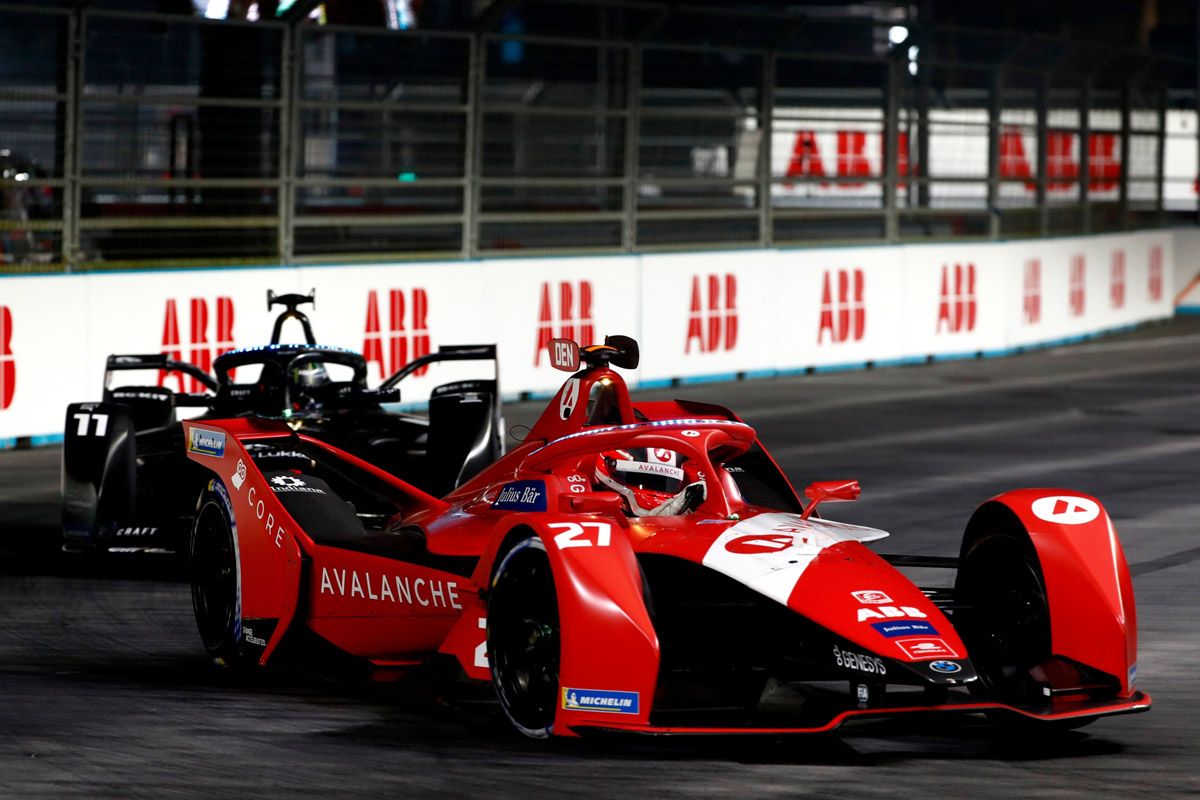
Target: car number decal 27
{"points": [[581, 534]]}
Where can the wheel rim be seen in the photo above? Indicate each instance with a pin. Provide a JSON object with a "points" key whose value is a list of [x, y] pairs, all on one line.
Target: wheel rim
{"points": [[1007, 629], [214, 576], [524, 641]]}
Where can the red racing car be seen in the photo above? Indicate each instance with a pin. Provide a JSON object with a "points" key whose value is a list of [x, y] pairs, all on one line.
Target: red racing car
{"points": [[648, 568]]}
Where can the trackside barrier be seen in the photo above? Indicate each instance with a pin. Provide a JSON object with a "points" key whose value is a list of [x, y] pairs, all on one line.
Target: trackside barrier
{"points": [[698, 316]]}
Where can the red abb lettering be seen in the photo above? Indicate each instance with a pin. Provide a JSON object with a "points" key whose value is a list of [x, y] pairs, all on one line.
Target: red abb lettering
{"points": [[8, 364], [844, 315], [404, 342], [851, 161], [1032, 300], [1013, 163], [1077, 294], [200, 353], [713, 325], [956, 305], [1116, 278], [1156, 273], [806, 157], [1104, 165], [572, 324], [1061, 169]]}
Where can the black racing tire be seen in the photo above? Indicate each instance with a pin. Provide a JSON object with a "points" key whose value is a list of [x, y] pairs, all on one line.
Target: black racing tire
{"points": [[523, 638], [213, 574], [1005, 616]]}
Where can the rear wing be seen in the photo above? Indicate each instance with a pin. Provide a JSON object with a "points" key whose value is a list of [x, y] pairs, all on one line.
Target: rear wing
{"points": [[445, 352], [121, 363]]}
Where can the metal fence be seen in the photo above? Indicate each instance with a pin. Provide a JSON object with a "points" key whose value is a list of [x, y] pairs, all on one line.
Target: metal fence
{"points": [[157, 140]]}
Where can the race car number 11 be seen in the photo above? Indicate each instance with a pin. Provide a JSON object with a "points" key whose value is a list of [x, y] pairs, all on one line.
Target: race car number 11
{"points": [[582, 534]]}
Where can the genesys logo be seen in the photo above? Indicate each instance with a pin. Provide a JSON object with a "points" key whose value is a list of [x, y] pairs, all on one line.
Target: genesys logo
{"points": [[204, 343], [564, 314], [713, 315], [843, 308], [406, 336], [8, 364], [956, 301]]}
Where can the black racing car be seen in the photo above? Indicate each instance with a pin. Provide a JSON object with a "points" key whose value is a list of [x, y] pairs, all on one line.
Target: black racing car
{"points": [[127, 485]]}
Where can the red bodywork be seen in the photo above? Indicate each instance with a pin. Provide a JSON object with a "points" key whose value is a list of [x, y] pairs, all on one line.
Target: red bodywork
{"points": [[396, 613]]}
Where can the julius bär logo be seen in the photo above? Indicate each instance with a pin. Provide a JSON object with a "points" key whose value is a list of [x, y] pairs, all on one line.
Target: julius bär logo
{"points": [[1156, 273], [202, 351], [713, 318], [1116, 279], [956, 303], [574, 317], [407, 335], [1077, 295], [1032, 293], [843, 312], [8, 365]]}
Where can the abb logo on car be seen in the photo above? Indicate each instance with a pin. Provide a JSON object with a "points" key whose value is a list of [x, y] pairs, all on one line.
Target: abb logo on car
{"points": [[1156, 273], [713, 318], [956, 303], [1032, 292], [407, 334], [573, 317], [1116, 279], [1077, 294], [201, 351], [8, 364], [843, 310]]}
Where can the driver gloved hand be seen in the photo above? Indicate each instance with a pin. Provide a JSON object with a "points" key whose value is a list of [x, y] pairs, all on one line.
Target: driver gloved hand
{"points": [[688, 499]]}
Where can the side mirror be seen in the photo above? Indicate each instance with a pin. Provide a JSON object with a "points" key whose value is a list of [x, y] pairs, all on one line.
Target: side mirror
{"points": [[591, 502], [835, 491]]}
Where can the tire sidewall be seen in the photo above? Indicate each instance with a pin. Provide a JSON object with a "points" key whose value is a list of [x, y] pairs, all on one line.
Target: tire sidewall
{"points": [[215, 499]]}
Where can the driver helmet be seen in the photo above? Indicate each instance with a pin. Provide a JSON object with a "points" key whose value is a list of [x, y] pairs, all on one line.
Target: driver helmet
{"points": [[645, 477], [310, 375]]}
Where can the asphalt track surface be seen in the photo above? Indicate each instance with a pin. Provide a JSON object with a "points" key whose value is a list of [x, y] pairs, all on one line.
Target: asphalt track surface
{"points": [[105, 692]]}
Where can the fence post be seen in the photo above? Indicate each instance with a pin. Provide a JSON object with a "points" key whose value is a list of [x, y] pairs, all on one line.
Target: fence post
{"points": [[633, 102], [1043, 101], [472, 147], [290, 73], [1085, 154], [1123, 186], [994, 132], [1160, 171], [766, 127], [891, 147], [72, 195]]}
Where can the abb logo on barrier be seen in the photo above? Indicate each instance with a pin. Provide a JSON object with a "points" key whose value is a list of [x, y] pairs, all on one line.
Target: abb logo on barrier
{"points": [[1077, 293], [8, 364], [843, 311], [851, 157], [1116, 279], [956, 304], [1032, 292], [713, 318], [1062, 170], [201, 351], [404, 343], [574, 319], [1156, 273]]}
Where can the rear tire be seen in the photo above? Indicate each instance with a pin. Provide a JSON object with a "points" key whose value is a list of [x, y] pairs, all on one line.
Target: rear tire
{"points": [[523, 637], [214, 577]]}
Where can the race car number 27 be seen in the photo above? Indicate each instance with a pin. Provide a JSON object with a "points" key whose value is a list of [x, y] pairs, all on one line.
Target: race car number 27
{"points": [[582, 534]]}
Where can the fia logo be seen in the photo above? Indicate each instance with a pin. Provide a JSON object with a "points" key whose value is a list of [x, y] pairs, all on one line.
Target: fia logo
{"points": [[956, 304], [843, 313], [1077, 294], [713, 319], [574, 315], [1116, 280], [8, 364], [201, 352], [1032, 293], [407, 334], [1156, 273]]}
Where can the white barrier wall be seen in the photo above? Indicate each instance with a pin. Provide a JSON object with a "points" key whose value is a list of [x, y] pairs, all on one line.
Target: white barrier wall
{"points": [[696, 315]]}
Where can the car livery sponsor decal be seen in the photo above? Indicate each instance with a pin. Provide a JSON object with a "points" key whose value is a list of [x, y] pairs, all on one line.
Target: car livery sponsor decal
{"points": [[871, 597], [890, 612], [239, 475], [396, 589], [946, 667], [135, 531], [904, 627], [647, 426], [769, 552], [1066, 509], [848, 659], [206, 443], [606, 700], [568, 399], [923, 649], [522, 496], [291, 483]]}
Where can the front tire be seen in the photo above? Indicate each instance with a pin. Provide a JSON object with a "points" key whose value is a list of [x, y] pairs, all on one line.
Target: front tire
{"points": [[214, 577], [523, 637]]}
